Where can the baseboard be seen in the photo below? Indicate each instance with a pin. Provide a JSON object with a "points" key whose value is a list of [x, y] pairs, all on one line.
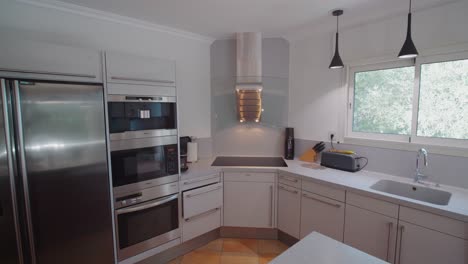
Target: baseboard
{"points": [[286, 238], [182, 249], [248, 232]]}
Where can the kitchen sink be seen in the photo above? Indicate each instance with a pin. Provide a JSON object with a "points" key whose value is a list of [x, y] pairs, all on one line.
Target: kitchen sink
{"points": [[413, 191]]}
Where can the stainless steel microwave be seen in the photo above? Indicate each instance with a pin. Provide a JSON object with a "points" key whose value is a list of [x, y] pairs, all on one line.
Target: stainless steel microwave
{"points": [[136, 116]]}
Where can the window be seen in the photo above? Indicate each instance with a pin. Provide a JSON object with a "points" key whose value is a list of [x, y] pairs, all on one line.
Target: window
{"points": [[425, 101]]}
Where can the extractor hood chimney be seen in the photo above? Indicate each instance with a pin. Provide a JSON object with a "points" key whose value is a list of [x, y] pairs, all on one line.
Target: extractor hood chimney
{"points": [[249, 76]]}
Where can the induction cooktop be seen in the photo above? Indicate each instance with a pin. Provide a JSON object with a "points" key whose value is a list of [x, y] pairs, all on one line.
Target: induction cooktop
{"points": [[233, 161]]}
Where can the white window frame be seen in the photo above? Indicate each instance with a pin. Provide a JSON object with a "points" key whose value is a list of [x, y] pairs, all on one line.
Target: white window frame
{"points": [[350, 108], [447, 146]]}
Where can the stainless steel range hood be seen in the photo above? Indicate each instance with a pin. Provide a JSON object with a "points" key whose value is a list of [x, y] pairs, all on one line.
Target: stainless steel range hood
{"points": [[249, 76]]}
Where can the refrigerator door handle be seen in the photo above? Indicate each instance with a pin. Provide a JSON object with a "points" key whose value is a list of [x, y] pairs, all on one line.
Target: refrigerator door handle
{"points": [[22, 169], [11, 173]]}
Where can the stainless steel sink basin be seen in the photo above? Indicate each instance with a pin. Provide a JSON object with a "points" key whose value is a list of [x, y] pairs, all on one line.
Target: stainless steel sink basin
{"points": [[413, 191]]}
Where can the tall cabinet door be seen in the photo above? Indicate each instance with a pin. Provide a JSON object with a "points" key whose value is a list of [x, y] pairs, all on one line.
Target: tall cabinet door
{"points": [[289, 210], [63, 165], [371, 232], [417, 244], [9, 239], [322, 215]]}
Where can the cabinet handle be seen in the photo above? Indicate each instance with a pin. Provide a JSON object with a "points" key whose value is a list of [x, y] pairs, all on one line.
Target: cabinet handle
{"points": [[283, 188], [122, 78], [390, 227], [324, 202], [91, 76], [289, 179], [202, 214], [402, 228], [195, 194], [248, 174], [271, 205]]}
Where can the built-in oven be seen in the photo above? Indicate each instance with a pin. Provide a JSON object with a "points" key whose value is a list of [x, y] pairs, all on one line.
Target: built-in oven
{"points": [[146, 219], [143, 162], [135, 116]]}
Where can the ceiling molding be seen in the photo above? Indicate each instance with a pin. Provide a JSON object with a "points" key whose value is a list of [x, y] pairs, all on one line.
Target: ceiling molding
{"points": [[111, 17]]}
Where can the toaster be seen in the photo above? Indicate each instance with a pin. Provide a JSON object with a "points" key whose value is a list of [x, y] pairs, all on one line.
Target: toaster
{"points": [[340, 161]]}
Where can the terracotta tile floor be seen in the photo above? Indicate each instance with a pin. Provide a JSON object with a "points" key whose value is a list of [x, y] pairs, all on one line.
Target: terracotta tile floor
{"points": [[234, 251]]}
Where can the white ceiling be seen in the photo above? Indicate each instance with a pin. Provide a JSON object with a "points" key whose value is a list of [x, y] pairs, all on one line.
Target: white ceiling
{"points": [[221, 18]]}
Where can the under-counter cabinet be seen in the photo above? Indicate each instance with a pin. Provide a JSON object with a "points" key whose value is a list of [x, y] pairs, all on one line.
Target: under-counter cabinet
{"points": [[289, 210], [249, 199], [431, 239], [371, 226], [371, 232], [322, 215], [202, 209]]}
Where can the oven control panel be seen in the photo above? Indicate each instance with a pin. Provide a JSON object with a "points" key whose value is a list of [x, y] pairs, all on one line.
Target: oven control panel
{"points": [[146, 195]]}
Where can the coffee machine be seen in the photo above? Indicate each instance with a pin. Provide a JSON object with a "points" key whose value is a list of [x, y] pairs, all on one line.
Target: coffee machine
{"points": [[183, 152]]}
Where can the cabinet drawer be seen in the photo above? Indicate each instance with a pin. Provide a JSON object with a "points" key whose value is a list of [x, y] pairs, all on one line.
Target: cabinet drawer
{"points": [[436, 222], [289, 179], [201, 224], [200, 181], [127, 68], [289, 210], [372, 204], [323, 190], [249, 176], [203, 199]]}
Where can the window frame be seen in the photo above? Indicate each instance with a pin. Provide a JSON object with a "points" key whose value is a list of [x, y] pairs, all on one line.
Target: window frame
{"points": [[404, 141], [350, 104]]}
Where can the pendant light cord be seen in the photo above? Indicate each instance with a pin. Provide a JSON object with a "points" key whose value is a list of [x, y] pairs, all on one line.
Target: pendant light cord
{"points": [[410, 6]]}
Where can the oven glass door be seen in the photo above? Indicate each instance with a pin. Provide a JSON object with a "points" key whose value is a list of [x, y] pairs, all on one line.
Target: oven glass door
{"points": [[138, 165], [151, 221], [137, 116]]}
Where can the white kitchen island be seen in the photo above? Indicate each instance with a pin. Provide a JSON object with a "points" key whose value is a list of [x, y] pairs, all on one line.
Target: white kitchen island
{"points": [[319, 249]]}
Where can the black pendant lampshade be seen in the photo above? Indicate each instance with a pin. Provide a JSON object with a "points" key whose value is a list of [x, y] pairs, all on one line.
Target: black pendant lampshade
{"points": [[408, 50], [336, 62]]}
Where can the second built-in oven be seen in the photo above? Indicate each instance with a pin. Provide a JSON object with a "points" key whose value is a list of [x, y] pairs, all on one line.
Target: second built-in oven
{"points": [[146, 219], [136, 116], [144, 162]]}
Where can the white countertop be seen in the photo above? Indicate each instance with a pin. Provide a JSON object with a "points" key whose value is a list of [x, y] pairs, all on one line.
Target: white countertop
{"points": [[358, 182], [324, 250]]}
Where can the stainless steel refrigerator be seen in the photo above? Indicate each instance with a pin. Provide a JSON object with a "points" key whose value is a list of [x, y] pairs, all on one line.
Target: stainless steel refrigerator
{"points": [[54, 187]]}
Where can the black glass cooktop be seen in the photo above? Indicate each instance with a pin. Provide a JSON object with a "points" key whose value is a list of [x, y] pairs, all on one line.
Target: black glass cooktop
{"points": [[249, 162]]}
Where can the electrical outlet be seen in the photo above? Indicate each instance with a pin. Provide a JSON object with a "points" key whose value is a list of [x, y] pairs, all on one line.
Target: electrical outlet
{"points": [[330, 133]]}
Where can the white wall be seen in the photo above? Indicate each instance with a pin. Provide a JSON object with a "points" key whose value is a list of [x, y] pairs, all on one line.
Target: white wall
{"points": [[192, 55], [317, 97]]}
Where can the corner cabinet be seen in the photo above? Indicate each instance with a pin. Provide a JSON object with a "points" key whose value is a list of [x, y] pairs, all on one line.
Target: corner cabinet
{"points": [[249, 199]]}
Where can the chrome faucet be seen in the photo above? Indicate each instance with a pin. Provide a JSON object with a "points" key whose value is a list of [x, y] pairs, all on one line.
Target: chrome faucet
{"points": [[419, 176]]}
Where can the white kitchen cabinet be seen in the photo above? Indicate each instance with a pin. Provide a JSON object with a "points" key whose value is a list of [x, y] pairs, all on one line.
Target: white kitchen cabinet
{"points": [[132, 69], [201, 210], [201, 224], [249, 204], [420, 245], [21, 58], [321, 214], [371, 232], [289, 210]]}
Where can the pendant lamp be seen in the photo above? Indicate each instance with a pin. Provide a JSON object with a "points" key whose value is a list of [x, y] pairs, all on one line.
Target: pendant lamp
{"points": [[336, 62], [408, 50]]}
